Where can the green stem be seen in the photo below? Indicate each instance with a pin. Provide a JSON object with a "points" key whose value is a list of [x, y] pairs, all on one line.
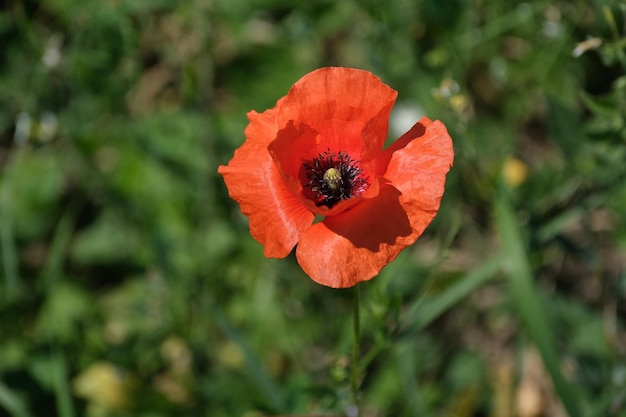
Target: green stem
{"points": [[356, 350]]}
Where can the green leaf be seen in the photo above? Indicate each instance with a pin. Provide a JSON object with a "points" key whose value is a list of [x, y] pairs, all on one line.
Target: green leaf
{"points": [[65, 306], [564, 126]]}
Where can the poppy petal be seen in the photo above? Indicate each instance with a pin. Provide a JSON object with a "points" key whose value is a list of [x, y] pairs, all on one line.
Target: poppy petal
{"points": [[356, 98], [418, 164], [277, 218], [354, 246]]}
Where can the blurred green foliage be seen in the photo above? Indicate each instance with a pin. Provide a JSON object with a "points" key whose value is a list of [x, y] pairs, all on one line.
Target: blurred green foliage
{"points": [[130, 284]]}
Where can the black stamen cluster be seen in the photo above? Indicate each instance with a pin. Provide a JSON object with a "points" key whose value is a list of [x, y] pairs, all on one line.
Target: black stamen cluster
{"points": [[328, 191]]}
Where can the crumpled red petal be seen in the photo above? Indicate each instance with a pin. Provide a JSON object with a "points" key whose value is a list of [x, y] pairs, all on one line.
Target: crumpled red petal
{"points": [[277, 218], [354, 246], [349, 108], [418, 164]]}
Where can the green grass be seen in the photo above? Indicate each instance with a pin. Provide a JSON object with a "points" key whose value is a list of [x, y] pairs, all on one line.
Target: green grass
{"points": [[119, 244]]}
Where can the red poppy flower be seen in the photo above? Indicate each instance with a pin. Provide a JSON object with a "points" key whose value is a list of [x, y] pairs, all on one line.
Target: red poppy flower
{"points": [[319, 152]]}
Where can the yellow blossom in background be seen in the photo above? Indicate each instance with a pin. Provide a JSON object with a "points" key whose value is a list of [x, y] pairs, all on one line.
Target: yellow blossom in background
{"points": [[230, 355], [105, 387], [177, 353], [449, 92], [175, 383], [459, 103], [515, 171]]}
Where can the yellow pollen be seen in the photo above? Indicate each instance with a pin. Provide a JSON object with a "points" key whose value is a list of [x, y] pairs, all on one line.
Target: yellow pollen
{"points": [[332, 178]]}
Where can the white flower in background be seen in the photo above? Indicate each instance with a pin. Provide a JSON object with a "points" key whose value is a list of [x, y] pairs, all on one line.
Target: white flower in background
{"points": [[23, 125], [403, 117], [48, 125], [52, 54]]}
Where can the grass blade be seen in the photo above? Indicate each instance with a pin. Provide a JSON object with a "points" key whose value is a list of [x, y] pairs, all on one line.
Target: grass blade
{"points": [[61, 386], [427, 311], [7, 243], [12, 402], [518, 270], [265, 383], [53, 269]]}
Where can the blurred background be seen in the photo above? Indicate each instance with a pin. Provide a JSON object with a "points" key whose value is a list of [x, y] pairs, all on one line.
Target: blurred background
{"points": [[129, 283]]}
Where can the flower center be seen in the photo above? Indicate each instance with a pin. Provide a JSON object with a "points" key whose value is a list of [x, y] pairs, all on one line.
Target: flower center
{"points": [[334, 177]]}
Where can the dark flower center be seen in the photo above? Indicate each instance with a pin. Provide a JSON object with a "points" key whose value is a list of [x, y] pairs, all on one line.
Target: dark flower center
{"points": [[334, 177]]}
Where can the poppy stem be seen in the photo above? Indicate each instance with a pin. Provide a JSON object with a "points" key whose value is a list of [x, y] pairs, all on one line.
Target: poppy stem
{"points": [[356, 350]]}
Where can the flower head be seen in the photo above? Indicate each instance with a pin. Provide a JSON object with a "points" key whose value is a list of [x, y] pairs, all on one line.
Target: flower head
{"points": [[319, 152]]}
